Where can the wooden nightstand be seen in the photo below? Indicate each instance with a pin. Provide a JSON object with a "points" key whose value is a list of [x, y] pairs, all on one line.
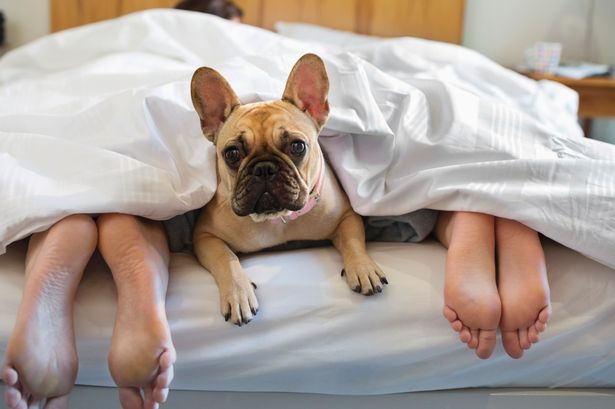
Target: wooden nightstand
{"points": [[596, 96]]}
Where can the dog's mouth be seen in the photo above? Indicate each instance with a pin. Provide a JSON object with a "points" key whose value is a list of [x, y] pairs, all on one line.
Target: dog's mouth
{"points": [[269, 197], [266, 204], [262, 217]]}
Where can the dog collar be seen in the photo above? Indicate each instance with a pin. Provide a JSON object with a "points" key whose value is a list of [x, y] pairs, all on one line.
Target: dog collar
{"points": [[312, 200]]}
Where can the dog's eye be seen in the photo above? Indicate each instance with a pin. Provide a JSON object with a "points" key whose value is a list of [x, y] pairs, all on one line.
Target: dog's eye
{"points": [[297, 148], [232, 155]]}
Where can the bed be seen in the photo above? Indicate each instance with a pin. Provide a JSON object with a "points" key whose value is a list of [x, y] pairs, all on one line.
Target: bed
{"points": [[303, 349], [315, 343]]}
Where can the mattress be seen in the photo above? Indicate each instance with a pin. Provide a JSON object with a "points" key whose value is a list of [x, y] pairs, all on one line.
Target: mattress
{"points": [[312, 334]]}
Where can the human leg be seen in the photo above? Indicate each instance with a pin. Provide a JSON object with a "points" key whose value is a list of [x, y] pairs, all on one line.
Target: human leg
{"points": [[41, 359], [472, 304], [141, 354]]}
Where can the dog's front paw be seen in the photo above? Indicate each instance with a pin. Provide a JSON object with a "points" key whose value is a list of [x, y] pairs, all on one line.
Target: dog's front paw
{"points": [[365, 277], [238, 301]]}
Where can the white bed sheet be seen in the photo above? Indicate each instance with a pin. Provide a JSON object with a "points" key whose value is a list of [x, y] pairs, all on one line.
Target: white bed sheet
{"points": [[312, 334]]}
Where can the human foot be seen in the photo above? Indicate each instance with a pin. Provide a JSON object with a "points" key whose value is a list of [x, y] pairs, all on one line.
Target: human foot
{"points": [[41, 359], [522, 285], [141, 354], [141, 358], [472, 305]]}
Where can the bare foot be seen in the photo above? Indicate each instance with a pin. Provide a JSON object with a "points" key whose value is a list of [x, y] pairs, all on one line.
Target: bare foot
{"points": [[41, 359], [472, 305], [141, 358], [523, 286], [141, 355]]}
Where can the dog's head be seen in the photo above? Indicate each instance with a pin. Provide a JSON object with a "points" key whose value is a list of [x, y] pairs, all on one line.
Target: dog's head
{"points": [[268, 157]]}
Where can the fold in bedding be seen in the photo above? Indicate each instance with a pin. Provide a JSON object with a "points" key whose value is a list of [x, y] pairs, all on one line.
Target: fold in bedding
{"points": [[99, 119]]}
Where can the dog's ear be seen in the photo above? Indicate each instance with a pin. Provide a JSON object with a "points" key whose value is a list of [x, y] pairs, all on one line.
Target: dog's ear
{"points": [[307, 88], [213, 99]]}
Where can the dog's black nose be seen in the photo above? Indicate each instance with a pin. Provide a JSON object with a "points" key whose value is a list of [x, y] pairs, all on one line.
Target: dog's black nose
{"points": [[265, 170]]}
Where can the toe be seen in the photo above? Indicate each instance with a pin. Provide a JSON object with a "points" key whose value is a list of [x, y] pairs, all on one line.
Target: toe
{"points": [[544, 315], [457, 325], [246, 311], [9, 376], [449, 314], [161, 394], [225, 310], [486, 343], [524, 341], [464, 335], [18, 404], [533, 334], [375, 283], [130, 398], [253, 303], [510, 340], [236, 317], [148, 399], [473, 343], [381, 276], [12, 397], [366, 285], [167, 359], [164, 379], [353, 281]]}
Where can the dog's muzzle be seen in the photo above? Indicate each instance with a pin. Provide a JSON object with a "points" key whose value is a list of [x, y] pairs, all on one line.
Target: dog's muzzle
{"points": [[267, 187]]}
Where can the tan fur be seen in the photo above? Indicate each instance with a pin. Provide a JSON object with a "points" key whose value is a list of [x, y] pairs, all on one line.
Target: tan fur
{"points": [[220, 232]]}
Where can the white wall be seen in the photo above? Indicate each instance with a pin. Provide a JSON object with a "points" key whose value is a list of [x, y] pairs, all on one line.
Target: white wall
{"points": [[603, 33], [26, 20], [503, 29], [603, 50]]}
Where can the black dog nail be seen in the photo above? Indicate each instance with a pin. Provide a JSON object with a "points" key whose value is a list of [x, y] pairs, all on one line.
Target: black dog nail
{"points": [[254, 285], [357, 289], [227, 316], [254, 311], [343, 273], [383, 280], [370, 292]]}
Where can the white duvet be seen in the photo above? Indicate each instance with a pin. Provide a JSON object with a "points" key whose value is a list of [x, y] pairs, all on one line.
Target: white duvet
{"points": [[99, 119]]}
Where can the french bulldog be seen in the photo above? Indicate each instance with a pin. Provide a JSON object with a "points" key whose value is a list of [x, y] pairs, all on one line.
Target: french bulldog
{"points": [[274, 185]]}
